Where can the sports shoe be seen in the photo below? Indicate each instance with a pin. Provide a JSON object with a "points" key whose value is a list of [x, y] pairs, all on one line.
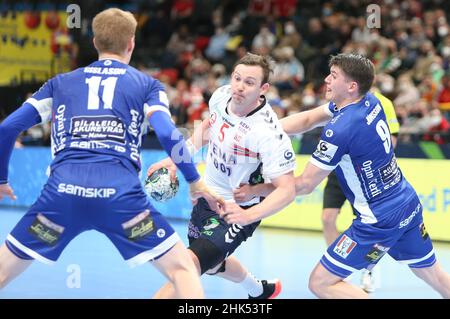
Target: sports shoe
{"points": [[271, 289], [367, 281]]}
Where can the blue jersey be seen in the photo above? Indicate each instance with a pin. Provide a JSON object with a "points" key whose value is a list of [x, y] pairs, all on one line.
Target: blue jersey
{"points": [[357, 142], [99, 112]]}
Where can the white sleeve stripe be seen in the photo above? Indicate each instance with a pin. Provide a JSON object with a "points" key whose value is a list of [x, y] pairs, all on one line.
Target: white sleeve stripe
{"points": [[150, 109], [44, 107], [327, 110], [321, 165]]}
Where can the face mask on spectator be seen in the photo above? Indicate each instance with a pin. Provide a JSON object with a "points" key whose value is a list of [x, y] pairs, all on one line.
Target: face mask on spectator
{"points": [[442, 31], [445, 51], [387, 87], [289, 28], [308, 100]]}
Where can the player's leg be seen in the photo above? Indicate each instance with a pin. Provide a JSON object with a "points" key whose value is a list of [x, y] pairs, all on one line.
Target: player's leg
{"points": [[43, 232], [360, 246], [11, 265], [167, 291], [436, 277], [139, 232], [212, 240], [184, 281], [232, 269], [415, 249], [324, 284]]}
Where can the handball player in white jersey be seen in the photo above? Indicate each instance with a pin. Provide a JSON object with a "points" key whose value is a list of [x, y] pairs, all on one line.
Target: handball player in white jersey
{"points": [[246, 145]]}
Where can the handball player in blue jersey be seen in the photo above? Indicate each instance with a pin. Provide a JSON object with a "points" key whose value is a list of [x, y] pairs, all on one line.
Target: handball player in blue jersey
{"points": [[356, 143], [98, 115]]}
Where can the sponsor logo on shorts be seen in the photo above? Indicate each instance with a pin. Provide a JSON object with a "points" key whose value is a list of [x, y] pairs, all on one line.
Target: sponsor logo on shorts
{"points": [[139, 227], [45, 230], [423, 232], [211, 224], [406, 221], [376, 253], [88, 192], [344, 246], [193, 231], [160, 233], [232, 232]]}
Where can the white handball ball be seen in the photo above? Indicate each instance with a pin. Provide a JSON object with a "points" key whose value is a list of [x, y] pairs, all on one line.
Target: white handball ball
{"points": [[159, 185]]}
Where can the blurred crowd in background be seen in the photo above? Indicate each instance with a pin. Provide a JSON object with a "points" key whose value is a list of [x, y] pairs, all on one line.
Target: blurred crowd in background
{"points": [[191, 46]]}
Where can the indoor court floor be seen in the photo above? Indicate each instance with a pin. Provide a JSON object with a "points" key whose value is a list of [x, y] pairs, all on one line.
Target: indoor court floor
{"points": [[90, 267]]}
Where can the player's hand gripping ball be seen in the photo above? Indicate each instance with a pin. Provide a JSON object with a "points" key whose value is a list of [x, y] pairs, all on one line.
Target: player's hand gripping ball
{"points": [[159, 185]]}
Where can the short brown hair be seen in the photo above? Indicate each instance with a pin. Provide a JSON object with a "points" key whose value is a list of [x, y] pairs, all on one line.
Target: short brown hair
{"points": [[113, 28], [357, 67], [265, 62]]}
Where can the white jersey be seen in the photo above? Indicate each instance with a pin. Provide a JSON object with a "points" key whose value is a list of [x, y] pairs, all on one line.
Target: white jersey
{"points": [[239, 145]]}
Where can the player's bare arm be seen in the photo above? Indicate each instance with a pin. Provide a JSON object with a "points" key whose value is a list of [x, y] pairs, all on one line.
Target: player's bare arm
{"points": [[311, 177], [306, 121], [246, 192], [282, 195]]}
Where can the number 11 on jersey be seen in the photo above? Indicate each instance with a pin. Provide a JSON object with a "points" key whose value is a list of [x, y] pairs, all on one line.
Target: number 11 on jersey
{"points": [[94, 83]]}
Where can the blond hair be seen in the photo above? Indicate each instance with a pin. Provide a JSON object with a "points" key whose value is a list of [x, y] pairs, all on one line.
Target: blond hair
{"points": [[113, 28]]}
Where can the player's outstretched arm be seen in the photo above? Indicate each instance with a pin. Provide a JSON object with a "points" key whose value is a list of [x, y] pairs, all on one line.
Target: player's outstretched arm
{"points": [[311, 177], [306, 121], [22, 119], [282, 195]]}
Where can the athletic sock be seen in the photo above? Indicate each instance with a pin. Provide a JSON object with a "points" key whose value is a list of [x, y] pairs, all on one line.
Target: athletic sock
{"points": [[252, 285]]}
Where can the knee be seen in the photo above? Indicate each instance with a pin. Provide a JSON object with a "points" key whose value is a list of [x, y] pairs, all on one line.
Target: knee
{"points": [[315, 284]]}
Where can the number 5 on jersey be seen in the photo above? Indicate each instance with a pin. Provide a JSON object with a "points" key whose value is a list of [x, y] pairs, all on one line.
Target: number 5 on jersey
{"points": [[222, 132]]}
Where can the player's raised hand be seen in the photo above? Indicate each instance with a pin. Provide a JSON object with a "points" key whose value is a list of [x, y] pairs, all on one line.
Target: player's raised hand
{"points": [[6, 190], [167, 163], [199, 189]]}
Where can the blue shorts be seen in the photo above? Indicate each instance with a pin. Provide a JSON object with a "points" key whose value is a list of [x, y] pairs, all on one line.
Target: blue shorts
{"points": [[404, 238], [107, 197]]}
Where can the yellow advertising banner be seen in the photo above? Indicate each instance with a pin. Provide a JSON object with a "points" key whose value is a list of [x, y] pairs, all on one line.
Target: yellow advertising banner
{"points": [[33, 46], [430, 178]]}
